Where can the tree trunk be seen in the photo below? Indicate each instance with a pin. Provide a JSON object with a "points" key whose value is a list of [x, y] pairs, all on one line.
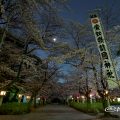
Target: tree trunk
{"points": [[2, 39], [35, 104], [101, 93]]}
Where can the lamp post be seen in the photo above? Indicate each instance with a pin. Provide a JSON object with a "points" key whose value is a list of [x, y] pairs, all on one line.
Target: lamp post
{"points": [[83, 99], [106, 92], [28, 97], [2, 94], [107, 97], [91, 98], [78, 99], [19, 97]]}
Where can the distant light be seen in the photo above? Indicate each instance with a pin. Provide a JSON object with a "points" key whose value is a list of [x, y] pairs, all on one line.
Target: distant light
{"points": [[106, 92], [70, 96], [78, 97], [20, 95], [114, 99], [82, 97], [118, 99], [98, 96], [38, 98], [3, 93], [91, 95], [54, 39], [28, 97]]}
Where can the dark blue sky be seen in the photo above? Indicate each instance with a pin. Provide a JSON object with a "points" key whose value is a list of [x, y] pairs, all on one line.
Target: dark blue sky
{"points": [[79, 9]]}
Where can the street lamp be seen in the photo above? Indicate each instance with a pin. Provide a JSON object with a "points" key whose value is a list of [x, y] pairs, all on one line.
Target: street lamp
{"points": [[118, 99], [107, 97], [3, 93], [106, 92], [113, 99], [83, 97], [90, 95], [38, 98], [28, 97], [19, 95], [78, 97], [91, 98]]}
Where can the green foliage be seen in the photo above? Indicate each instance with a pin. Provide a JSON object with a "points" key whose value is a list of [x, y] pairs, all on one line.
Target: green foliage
{"points": [[10, 97], [14, 108], [88, 107], [115, 103]]}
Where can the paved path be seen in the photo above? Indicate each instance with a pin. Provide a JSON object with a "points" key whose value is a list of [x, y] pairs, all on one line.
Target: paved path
{"points": [[51, 112]]}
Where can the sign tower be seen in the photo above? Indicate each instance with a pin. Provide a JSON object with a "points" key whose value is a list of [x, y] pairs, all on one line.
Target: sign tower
{"points": [[105, 55]]}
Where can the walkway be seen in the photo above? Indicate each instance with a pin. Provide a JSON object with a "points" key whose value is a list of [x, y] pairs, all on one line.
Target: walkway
{"points": [[51, 112]]}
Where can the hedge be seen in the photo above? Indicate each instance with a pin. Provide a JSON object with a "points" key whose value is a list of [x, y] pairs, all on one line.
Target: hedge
{"points": [[14, 108], [88, 107]]}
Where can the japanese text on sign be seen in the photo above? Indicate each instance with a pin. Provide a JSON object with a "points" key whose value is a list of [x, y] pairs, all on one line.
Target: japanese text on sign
{"points": [[104, 52]]}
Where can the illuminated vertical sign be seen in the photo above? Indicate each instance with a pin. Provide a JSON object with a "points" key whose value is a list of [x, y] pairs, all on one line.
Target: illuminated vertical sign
{"points": [[104, 52]]}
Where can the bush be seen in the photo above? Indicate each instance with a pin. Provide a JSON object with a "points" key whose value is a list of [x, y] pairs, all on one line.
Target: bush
{"points": [[14, 108], [115, 103], [88, 107]]}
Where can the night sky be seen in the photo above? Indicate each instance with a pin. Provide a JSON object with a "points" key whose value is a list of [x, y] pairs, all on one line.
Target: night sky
{"points": [[79, 9]]}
